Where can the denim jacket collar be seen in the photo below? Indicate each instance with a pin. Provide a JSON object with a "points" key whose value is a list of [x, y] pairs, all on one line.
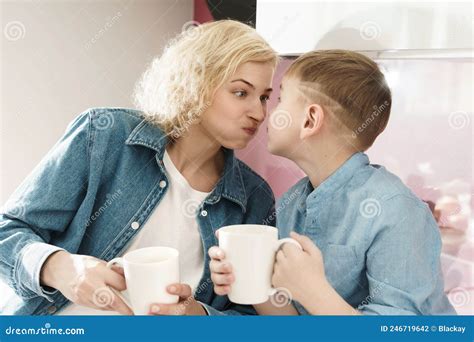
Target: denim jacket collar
{"points": [[231, 184]]}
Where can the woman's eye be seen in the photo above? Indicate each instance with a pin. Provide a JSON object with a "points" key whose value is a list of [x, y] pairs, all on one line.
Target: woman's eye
{"points": [[240, 93], [264, 98]]}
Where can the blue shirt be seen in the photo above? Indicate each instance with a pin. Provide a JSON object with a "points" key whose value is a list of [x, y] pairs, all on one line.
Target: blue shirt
{"points": [[380, 243], [93, 192]]}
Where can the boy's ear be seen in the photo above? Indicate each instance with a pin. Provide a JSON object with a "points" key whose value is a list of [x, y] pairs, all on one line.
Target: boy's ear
{"points": [[313, 120]]}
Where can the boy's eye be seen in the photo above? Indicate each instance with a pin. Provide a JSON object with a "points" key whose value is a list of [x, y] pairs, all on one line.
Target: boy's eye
{"points": [[264, 98], [240, 93]]}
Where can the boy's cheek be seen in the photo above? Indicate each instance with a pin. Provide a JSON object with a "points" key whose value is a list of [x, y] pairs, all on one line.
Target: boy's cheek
{"points": [[271, 141], [276, 141]]}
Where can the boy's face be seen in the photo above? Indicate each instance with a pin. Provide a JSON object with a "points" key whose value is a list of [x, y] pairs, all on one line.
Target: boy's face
{"points": [[285, 121]]}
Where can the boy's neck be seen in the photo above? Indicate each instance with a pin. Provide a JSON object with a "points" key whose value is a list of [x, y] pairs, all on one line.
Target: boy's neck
{"points": [[320, 166]]}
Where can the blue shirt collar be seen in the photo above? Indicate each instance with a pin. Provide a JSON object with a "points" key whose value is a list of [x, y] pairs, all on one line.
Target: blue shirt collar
{"points": [[231, 184], [334, 182]]}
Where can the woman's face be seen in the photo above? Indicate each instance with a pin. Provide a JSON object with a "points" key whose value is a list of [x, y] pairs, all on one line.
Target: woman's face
{"points": [[239, 106]]}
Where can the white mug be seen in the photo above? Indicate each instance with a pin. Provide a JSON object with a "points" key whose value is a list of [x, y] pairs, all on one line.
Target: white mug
{"points": [[148, 271], [251, 250]]}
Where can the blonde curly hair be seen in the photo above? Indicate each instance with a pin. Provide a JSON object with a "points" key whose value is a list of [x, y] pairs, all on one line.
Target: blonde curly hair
{"points": [[179, 85]]}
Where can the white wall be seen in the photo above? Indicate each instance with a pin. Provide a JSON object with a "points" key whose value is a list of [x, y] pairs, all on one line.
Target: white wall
{"points": [[295, 27], [59, 58]]}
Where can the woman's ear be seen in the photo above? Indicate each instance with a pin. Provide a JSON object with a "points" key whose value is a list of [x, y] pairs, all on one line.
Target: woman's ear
{"points": [[313, 121]]}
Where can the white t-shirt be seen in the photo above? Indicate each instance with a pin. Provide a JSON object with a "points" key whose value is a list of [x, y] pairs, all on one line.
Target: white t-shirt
{"points": [[173, 224]]}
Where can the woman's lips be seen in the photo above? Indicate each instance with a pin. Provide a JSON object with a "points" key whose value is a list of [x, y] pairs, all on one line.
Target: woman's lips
{"points": [[250, 131]]}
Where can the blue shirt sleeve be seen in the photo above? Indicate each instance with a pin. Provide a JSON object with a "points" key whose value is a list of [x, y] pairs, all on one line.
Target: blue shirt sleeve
{"points": [[404, 274]]}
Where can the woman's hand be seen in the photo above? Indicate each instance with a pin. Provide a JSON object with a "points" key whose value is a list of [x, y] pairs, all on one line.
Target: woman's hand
{"points": [[221, 271], [85, 280], [187, 305]]}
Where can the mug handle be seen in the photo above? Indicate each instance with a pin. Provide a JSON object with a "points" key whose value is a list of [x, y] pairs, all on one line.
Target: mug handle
{"points": [[122, 295], [280, 243]]}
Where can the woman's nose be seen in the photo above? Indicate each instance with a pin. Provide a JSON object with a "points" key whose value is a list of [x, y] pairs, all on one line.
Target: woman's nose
{"points": [[258, 113]]}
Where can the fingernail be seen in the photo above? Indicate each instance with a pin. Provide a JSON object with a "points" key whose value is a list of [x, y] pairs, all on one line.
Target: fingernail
{"points": [[155, 308], [219, 254], [172, 288]]}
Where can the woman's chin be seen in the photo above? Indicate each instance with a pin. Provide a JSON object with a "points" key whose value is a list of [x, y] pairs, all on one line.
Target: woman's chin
{"points": [[236, 145]]}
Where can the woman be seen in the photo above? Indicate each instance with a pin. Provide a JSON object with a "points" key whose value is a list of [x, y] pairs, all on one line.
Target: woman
{"points": [[122, 179]]}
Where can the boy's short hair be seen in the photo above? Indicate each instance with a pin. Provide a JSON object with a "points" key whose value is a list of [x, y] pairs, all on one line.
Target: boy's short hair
{"points": [[350, 87]]}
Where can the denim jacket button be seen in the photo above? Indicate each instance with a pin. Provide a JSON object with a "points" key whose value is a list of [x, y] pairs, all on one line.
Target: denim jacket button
{"points": [[52, 309], [162, 184], [135, 225], [204, 213]]}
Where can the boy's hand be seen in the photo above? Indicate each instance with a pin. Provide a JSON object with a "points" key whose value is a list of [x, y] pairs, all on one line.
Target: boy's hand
{"points": [[299, 271], [221, 271]]}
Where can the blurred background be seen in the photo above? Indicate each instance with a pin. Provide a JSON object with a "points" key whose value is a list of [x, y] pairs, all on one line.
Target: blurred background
{"points": [[59, 58]]}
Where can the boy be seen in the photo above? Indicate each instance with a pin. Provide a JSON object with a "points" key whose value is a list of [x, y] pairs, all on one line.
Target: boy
{"points": [[370, 245]]}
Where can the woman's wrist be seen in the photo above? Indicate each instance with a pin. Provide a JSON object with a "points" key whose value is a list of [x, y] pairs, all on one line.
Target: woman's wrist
{"points": [[195, 308], [50, 268]]}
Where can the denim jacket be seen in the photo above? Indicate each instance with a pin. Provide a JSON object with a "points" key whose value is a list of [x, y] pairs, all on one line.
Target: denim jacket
{"points": [[380, 244], [92, 193]]}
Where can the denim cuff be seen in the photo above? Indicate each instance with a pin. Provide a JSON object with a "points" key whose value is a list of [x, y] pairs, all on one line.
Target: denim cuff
{"points": [[205, 307], [27, 270], [211, 311]]}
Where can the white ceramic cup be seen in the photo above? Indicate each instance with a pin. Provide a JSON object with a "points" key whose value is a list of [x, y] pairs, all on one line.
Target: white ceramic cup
{"points": [[251, 250], [148, 271]]}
